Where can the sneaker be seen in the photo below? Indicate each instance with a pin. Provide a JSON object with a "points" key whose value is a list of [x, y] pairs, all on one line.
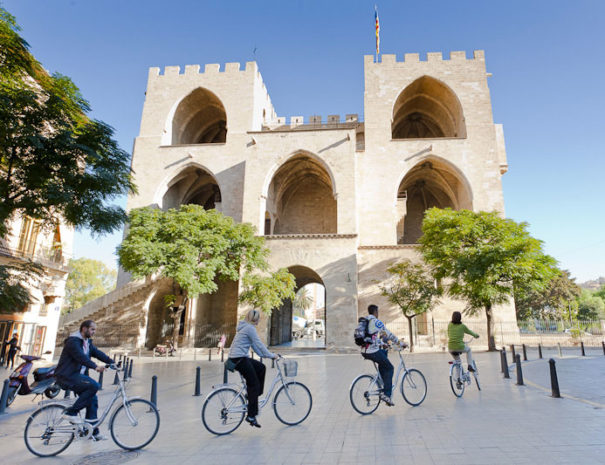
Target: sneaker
{"points": [[386, 399], [252, 421], [72, 418], [98, 437], [471, 369]]}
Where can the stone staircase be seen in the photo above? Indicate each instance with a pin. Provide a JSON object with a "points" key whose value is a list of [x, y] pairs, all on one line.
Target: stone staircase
{"points": [[119, 315]]}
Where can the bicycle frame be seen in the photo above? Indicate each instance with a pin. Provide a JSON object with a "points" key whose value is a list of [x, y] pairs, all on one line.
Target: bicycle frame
{"points": [[400, 369]]}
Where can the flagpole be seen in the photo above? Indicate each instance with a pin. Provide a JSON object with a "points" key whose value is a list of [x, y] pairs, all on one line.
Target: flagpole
{"points": [[377, 27]]}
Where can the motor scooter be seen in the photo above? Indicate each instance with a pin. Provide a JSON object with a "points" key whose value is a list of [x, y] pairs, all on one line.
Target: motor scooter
{"points": [[44, 380]]}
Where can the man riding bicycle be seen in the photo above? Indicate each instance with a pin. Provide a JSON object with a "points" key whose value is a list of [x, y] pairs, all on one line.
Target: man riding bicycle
{"points": [[379, 337], [72, 374]]}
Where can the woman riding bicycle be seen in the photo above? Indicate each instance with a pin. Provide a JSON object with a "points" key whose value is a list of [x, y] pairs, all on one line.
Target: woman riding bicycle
{"points": [[253, 371], [455, 334]]}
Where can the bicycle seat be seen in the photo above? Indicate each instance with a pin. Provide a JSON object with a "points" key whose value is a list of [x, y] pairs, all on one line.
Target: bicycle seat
{"points": [[455, 353]]}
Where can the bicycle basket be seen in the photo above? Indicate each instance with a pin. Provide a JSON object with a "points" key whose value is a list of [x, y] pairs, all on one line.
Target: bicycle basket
{"points": [[290, 368]]}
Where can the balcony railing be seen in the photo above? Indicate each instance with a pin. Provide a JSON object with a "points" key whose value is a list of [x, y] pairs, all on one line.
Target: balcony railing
{"points": [[49, 256]]}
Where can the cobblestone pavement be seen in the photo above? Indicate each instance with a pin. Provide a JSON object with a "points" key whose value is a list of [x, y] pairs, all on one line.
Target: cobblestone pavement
{"points": [[502, 424]]}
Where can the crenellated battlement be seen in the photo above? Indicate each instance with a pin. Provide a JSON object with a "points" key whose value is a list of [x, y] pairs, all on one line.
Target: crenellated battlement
{"points": [[430, 57], [209, 69], [281, 123]]}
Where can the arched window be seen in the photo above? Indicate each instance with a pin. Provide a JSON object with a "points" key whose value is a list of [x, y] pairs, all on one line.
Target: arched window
{"points": [[193, 185], [301, 198], [200, 118], [427, 108]]}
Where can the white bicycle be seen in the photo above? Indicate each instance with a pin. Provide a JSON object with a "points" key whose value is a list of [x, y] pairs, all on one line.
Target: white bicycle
{"points": [[226, 405], [459, 377], [133, 425], [365, 389]]}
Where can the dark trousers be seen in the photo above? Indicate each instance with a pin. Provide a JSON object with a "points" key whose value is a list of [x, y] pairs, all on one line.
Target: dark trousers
{"points": [[86, 388], [385, 367], [11, 358], [253, 372]]}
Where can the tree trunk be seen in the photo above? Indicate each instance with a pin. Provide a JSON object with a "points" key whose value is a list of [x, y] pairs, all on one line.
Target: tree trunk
{"points": [[175, 328], [411, 333], [491, 343]]}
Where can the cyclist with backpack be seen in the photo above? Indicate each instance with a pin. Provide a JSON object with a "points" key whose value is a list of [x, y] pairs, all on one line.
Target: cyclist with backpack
{"points": [[373, 336]]}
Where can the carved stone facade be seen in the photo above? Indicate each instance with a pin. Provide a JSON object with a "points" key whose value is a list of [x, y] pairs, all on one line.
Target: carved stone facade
{"points": [[337, 200]]}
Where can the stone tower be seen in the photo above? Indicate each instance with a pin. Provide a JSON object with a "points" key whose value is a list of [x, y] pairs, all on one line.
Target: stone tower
{"points": [[337, 199]]}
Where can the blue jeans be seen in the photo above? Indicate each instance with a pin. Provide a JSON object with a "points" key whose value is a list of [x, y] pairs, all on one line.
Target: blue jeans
{"points": [[86, 388], [385, 368]]}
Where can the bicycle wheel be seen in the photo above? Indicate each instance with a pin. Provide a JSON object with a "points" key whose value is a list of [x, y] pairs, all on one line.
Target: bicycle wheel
{"points": [[46, 434], [134, 424], [364, 394], [456, 381], [223, 411], [413, 387], [476, 375], [292, 403]]}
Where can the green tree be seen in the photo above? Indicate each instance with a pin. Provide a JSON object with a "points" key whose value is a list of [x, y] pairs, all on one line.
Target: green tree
{"points": [[14, 296], [483, 257], [88, 279], [302, 301], [590, 306], [412, 288], [552, 301], [197, 248], [56, 164]]}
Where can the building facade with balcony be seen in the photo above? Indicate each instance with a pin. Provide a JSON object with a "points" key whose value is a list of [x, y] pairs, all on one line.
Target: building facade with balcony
{"points": [[50, 248], [337, 199]]}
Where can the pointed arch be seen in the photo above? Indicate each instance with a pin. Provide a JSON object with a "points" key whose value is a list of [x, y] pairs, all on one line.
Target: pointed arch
{"points": [[198, 118], [427, 108], [192, 184]]}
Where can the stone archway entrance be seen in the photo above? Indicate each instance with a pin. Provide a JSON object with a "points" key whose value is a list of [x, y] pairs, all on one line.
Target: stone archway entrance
{"points": [[294, 325]]}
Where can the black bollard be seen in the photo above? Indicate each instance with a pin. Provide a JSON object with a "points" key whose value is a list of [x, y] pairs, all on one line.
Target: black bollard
{"points": [[603, 344], [125, 376], [513, 354], [272, 363], [4, 397], [116, 380], [154, 390], [225, 376], [524, 353], [114, 358], [506, 373], [554, 382], [130, 368], [222, 355], [539, 350], [582, 348], [198, 388], [502, 360], [121, 355], [519, 370], [209, 355], [101, 381]]}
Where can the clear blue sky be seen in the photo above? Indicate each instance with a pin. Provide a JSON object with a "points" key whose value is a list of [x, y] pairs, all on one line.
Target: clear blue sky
{"points": [[547, 60]]}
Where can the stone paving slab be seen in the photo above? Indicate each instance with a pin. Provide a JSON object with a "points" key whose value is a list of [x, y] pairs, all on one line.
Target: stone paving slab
{"points": [[502, 424]]}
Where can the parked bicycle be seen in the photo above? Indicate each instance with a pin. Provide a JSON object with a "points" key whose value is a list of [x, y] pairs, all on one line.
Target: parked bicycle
{"points": [[459, 377], [226, 405], [133, 425], [365, 389]]}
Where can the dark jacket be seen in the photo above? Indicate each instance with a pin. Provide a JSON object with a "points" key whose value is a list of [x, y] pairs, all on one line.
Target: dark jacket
{"points": [[13, 347], [73, 357]]}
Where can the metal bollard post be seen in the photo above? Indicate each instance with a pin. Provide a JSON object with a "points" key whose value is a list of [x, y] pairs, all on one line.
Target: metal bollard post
{"points": [[539, 350], [506, 373], [130, 369], [513, 354], [502, 360], [554, 382], [116, 380], [223, 354], [197, 392], [125, 376], [194, 355], [603, 344], [272, 363], [209, 355], [582, 348], [101, 381], [4, 397], [524, 353], [519, 370], [154, 390], [121, 355], [225, 376], [560, 353]]}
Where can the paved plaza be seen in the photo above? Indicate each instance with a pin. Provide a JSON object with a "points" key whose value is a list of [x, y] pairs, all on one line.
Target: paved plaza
{"points": [[502, 424]]}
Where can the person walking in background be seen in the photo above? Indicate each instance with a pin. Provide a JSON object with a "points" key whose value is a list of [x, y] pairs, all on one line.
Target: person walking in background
{"points": [[221, 344], [12, 350]]}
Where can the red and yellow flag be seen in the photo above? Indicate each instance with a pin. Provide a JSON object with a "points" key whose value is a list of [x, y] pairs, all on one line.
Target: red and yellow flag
{"points": [[377, 30]]}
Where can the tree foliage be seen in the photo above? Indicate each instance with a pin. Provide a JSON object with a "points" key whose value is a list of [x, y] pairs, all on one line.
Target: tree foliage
{"points": [[552, 301], [412, 288], [88, 279], [14, 294], [590, 306], [302, 301], [483, 257], [266, 292], [54, 160]]}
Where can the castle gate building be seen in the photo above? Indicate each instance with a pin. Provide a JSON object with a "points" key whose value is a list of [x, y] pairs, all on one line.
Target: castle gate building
{"points": [[337, 199]]}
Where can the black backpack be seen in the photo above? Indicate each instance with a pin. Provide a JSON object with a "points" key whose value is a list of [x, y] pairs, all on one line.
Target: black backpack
{"points": [[361, 332]]}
